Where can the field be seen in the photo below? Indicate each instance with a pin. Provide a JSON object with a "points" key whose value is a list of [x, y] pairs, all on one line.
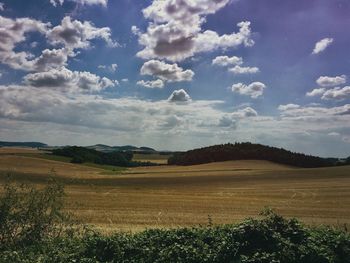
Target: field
{"points": [[170, 196], [154, 158]]}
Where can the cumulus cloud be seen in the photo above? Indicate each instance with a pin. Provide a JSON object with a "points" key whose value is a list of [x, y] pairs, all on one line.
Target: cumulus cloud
{"points": [[254, 90], [321, 45], [245, 112], [112, 68], [151, 84], [237, 62], [227, 61], [57, 116], [317, 112], [166, 72], [70, 34], [227, 121], [244, 70], [232, 120], [175, 32], [179, 96], [76, 34], [326, 81], [316, 92], [290, 106], [67, 80], [36, 104], [337, 93], [170, 122], [12, 32], [82, 2], [51, 58]]}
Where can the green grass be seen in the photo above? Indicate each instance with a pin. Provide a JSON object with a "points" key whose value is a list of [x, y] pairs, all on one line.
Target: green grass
{"points": [[46, 156], [109, 168]]}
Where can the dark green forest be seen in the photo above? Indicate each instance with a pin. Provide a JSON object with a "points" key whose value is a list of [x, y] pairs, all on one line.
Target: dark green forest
{"points": [[86, 155], [249, 151]]}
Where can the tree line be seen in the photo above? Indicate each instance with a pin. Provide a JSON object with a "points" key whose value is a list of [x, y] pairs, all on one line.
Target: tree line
{"points": [[248, 151], [84, 155]]}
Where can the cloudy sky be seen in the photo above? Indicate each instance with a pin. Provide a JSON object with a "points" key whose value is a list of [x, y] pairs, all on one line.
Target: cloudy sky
{"points": [[177, 74]]}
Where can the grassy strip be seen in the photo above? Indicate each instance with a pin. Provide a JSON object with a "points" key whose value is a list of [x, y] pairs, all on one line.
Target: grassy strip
{"points": [[109, 168]]}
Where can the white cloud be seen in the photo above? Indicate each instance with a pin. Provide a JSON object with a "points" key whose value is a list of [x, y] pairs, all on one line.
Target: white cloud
{"points": [[175, 32], [59, 118], [227, 121], [66, 80], [254, 90], [245, 112], [82, 2], [76, 34], [316, 92], [112, 67], [12, 32], [325, 81], [244, 70], [232, 120], [287, 107], [151, 84], [44, 105], [227, 61], [334, 134], [2, 6], [179, 96], [166, 72], [337, 93], [313, 111], [321, 45], [72, 34]]}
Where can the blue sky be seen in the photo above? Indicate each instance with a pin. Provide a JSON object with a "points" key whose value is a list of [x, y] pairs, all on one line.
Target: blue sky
{"points": [[176, 74]]}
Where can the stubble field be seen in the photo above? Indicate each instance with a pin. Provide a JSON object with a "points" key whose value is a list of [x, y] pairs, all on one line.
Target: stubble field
{"points": [[170, 196]]}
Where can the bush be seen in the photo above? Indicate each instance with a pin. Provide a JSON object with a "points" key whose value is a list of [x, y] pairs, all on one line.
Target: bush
{"points": [[272, 239], [29, 214]]}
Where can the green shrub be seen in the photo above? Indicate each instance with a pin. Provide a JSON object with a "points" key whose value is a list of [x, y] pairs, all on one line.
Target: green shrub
{"points": [[272, 239], [29, 214]]}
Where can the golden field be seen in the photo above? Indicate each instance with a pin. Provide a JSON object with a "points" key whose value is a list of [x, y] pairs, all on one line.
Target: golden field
{"points": [[170, 196]]}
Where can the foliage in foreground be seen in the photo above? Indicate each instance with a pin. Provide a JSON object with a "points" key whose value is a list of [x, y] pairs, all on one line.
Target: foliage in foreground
{"points": [[271, 239], [28, 214]]}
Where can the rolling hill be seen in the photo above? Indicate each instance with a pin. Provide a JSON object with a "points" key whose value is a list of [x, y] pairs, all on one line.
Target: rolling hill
{"points": [[23, 144], [248, 151]]}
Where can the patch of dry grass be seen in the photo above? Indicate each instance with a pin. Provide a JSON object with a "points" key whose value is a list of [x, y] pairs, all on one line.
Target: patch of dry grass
{"points": [[170, 196], [153, 157]]}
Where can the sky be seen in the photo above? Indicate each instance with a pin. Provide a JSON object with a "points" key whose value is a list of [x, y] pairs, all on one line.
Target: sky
{"points": [[177, 74]]}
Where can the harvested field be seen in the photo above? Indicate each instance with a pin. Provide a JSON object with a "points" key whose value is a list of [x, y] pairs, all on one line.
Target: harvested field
{"points": [[170, 196]]}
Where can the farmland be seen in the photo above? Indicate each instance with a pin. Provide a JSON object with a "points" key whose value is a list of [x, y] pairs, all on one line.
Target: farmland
{"points": [[171, 196]]}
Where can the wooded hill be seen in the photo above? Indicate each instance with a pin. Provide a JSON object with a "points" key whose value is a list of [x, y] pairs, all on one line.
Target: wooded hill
{"points": [[85, 155], [248, 151], [22, 144]]}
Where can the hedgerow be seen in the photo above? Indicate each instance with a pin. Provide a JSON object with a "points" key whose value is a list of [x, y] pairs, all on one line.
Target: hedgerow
{"points": [[270, 239]]}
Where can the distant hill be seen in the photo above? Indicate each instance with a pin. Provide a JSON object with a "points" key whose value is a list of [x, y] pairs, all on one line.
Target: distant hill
{"points": [[248, 151], [129, 148], [23, 144]]}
